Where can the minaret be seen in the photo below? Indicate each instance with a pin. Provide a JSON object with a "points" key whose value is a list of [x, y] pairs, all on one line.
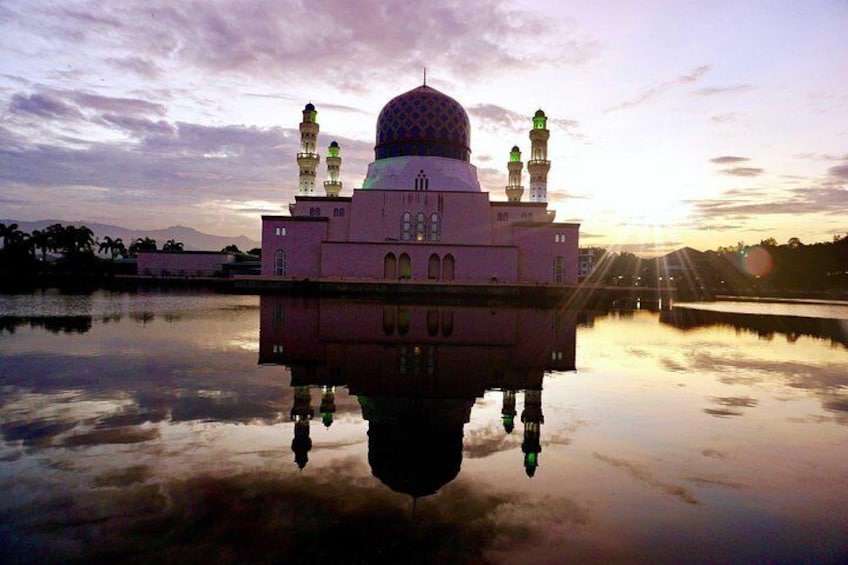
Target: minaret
{"points": [[514, 190], [301, 415], [538, 165], [333, 186], [533, 419], [307, 158]]}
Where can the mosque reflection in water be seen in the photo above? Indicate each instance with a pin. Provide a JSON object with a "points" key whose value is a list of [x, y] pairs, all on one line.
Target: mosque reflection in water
{"points": [[416, 371]]}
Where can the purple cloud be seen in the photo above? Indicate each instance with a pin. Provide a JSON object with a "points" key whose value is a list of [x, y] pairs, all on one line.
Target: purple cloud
{"points": [[728, 159], [655, 91], [43, 106], [839, 171], [743, 171], [713, 90]]}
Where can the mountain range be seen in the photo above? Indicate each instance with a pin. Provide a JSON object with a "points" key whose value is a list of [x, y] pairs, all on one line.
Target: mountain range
{"points": [[191, 239]]}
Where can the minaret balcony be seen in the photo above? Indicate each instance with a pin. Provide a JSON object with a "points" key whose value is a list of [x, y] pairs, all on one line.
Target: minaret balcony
{"points": [[307, 155], [538, 162]]}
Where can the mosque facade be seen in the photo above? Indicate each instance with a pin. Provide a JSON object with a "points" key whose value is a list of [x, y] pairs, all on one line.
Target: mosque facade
{"points": [[420, 214]]}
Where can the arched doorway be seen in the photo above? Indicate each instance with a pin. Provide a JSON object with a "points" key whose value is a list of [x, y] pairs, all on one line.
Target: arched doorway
{"points": [[448, 267], [434, 267], [559, 270], [280, 263], [405, 266], [390, 266]]}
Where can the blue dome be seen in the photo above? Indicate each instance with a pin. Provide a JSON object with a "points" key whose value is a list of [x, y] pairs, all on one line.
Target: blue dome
{"points": [[423, 122]]}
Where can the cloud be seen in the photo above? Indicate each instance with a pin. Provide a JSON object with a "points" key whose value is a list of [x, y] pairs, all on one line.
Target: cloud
{"points": [[806, 200], [728, 159], [661, 88], [713, 90], [642, 475], [288, 39], [839, 171], [142, 67], [721, 118], [743, 171], [500, 117], [43, 106]]}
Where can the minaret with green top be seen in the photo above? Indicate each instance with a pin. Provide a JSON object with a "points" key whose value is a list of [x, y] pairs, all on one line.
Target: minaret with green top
{"points": [[538, 165], [308, 158], [514, 190], [333, 186]]}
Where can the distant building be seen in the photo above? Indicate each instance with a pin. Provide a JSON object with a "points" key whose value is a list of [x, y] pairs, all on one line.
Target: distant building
{"points": [[420, 214], [187, 263], [586, 260]]}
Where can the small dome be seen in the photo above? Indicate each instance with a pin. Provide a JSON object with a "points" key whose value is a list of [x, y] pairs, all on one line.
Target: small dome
{"points": [[423, 122], [515, 149], [539, 114], [334, 144], [310, 107]]}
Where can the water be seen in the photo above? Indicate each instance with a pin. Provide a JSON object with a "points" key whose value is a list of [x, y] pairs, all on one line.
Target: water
{"points": [[189, 427]]}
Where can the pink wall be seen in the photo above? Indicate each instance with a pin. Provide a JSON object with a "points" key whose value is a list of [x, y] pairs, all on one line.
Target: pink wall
{"points": [[376, 215], [188, 264], [472, 263], [352, 236], [539, 248], [301, 242]]}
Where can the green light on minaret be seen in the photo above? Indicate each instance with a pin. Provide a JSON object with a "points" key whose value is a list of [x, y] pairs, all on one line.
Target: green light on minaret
{"points": [[313, 116], [333, 150], [540, 121], [515, 155]]}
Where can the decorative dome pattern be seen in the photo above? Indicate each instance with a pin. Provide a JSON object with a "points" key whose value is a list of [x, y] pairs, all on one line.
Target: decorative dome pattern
{"points": [[423, 122]]}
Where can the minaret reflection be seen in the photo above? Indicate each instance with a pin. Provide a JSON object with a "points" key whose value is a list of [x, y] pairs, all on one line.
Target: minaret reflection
{"points": [[532, 419], [301, 415], [508, 411], [416, 372]]}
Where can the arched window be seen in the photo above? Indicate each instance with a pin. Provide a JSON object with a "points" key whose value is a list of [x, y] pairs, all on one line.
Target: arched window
{"points": [[447, 323], [432, 323], [434, 267], [404, 317], [448, 266], [406, 226], [390, 266], [559, 270], [280, 263], [388, 320], [421, 181], [420, 227], [405, 267], [435, 227]]}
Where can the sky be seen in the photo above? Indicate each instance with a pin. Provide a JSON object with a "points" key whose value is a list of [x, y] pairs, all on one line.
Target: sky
{"points": [[672, 122]]}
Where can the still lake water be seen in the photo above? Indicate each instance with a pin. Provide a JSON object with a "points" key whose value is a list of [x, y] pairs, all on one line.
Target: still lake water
{"points": [[202, 427]]}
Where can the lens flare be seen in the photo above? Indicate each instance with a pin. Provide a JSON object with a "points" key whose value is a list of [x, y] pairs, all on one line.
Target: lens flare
{"points": [[757, 261]]}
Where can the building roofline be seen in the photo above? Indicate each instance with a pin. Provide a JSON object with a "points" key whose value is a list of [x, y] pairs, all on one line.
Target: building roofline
{"points": [[520, 204], [297, 218], [307, 198]]}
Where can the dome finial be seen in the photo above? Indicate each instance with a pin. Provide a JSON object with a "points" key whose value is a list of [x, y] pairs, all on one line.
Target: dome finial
{"points": [[425, 76]]}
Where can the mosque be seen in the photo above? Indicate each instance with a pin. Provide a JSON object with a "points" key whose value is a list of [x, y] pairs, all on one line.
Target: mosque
{"points": [[421, 214]]}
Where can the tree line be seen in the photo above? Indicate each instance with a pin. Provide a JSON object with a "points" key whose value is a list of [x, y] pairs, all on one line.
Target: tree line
{"points": [[762, 268], [69, 249]]}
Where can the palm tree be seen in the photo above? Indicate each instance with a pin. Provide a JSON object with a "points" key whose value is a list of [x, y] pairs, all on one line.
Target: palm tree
{"points": [[172, 245], [232, 248], [10, 234], [114, 247], [142, 244], [43, 240]]}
